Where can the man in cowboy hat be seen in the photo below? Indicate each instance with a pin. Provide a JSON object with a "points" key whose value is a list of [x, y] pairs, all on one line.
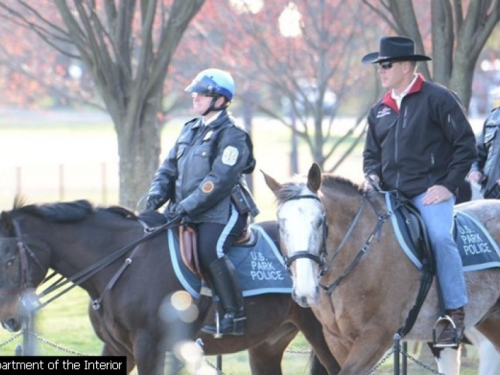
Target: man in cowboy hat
{"points": [[420, 143]]}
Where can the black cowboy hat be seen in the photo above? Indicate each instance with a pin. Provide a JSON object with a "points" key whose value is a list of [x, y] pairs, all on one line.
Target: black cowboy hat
{"points": [[394, 48]]}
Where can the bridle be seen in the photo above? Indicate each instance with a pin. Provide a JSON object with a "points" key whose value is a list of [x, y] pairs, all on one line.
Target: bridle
{"points": [[25, 252], [320, 258], [81, 276]]}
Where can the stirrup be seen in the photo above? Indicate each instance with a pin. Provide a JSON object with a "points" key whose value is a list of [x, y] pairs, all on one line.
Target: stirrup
{"points": [[445, 319], [217, 334], [218, 331]]}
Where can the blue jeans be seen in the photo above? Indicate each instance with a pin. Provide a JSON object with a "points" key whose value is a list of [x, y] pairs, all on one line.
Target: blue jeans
{"points": [[438, 219]]}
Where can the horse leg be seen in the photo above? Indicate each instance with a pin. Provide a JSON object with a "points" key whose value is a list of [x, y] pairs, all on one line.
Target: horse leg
{"points": [[490, 326], [312, 330], [149, 354], [108, 351], [489, 358], [265, 358], [363, 353], [447, 359]]}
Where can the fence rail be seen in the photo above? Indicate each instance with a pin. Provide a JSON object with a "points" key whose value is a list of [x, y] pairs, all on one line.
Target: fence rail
{"points": [[97, 182]]}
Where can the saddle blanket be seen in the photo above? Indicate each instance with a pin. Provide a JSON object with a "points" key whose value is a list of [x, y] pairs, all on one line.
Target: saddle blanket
{"points": [[475, 245], [260, 267], [477, 248]]}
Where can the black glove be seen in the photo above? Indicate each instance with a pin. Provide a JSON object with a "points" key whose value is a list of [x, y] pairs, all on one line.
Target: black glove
{"points": [[153, 202], [175, 213]]}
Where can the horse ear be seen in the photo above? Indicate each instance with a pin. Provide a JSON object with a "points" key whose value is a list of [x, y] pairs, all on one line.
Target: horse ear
{"points": [[271, 182], [314, 177]]}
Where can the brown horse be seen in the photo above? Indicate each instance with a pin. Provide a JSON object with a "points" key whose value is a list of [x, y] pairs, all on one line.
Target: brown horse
{"points": [[347, 264], [72, 237]]}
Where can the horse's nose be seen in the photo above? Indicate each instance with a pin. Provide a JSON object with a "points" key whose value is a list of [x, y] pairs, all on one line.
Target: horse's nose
{"points": [[11, 324], [307, 298], [301, 301], [313, 299]]}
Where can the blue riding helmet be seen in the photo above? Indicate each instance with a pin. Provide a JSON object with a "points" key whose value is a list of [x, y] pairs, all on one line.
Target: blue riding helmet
{"points": [[213, 82]]}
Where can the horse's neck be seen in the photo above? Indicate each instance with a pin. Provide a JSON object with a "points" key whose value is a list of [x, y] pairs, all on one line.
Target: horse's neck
{"points": [[341, 211], [352, 222], [79, 252]]}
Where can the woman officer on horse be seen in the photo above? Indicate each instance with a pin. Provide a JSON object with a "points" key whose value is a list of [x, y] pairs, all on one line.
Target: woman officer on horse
{"points": [[202, 179]]}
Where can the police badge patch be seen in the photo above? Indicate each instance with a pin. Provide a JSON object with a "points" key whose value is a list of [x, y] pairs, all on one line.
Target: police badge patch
{"points": [[230, 155]]}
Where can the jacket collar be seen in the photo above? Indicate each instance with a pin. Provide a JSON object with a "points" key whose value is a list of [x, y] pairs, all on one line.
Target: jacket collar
{"points": [[416, 87], [221, 117]]}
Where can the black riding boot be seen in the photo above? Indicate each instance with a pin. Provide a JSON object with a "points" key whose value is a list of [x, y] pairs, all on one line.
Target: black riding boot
{"points": [[226, 285]]}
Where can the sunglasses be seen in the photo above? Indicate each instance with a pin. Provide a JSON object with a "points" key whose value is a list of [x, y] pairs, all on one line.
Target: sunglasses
{"points": [[386, 65]]}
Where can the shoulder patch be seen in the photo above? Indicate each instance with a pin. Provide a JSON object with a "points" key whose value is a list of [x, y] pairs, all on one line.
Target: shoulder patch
{"points": [[208, 187], [230, 156]]}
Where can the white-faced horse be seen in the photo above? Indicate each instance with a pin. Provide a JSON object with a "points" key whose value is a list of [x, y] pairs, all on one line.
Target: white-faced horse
{"points": [[346, 263]]}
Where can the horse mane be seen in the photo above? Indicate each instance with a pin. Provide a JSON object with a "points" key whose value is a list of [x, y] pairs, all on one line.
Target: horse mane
{"points": [[331, 182], [68, 212], [61, 212], [120, 211]]}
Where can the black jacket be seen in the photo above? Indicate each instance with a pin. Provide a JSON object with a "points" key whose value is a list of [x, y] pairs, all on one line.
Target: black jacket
{"points": [[203, 167], [427, 142], [488, 146]]}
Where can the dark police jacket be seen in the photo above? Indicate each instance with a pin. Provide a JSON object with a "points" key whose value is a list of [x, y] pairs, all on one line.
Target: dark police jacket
{"points": [[488, 163], [203, 167], [428, 141]]}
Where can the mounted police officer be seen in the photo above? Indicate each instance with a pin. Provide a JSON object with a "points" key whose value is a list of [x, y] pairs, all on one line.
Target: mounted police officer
{"points": [[486, 169], [202, 180]]}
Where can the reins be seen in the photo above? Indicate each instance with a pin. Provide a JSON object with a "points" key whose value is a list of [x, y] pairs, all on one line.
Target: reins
{"points": [[85, 274], [381, 219]]}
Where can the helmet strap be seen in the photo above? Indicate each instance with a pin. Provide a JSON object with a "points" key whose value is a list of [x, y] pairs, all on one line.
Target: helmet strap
{"points": [[212, 106]]}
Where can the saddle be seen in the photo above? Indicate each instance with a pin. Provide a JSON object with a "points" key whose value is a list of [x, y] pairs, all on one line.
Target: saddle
{"points": [[410, 228], [410, 232], [187, 239], [255, 254], [189, 247]]}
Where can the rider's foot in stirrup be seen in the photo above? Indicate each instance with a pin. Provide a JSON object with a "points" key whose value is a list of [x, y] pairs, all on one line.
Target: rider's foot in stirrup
{"points": [[231, 324], [453, 333]]}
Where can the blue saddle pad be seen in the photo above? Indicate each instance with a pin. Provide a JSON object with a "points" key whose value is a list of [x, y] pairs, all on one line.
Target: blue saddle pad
{"points": [[260, 267], [476, 246]]}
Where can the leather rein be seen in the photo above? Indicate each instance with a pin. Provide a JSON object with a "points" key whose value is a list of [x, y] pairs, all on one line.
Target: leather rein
{"points": [[321, 258], [77, 279], [381, 219]]}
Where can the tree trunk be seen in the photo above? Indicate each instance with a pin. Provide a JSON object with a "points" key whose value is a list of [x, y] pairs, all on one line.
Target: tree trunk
{"points": [[463, 75], [139, 151]]}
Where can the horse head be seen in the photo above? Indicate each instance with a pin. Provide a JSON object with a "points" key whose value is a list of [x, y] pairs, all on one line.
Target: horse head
{"points": [[18, 270], [302, 246]]}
